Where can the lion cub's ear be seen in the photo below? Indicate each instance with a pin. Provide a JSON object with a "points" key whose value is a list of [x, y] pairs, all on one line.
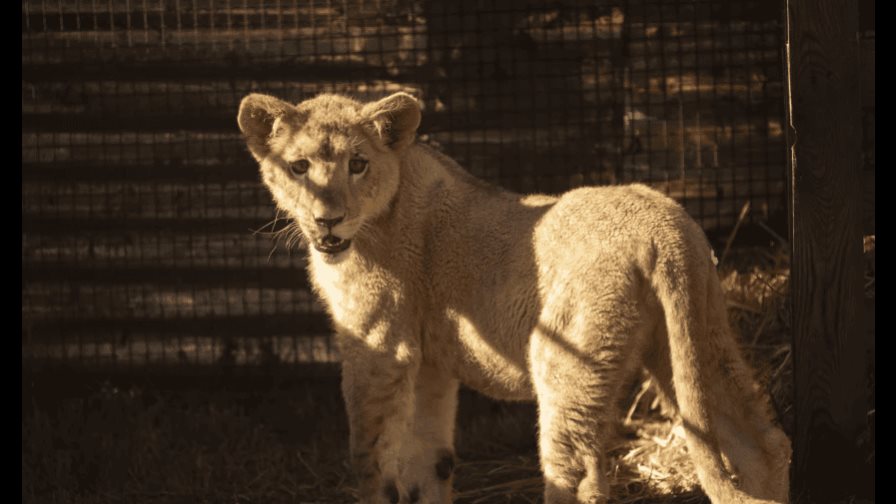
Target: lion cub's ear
{"points": [[256, 118], [394, 119]]}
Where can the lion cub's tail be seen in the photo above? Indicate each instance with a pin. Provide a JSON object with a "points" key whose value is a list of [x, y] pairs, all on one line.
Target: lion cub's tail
{"points": [[683, 281]]}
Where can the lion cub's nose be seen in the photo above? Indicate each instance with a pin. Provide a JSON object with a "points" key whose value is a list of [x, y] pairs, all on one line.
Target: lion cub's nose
{"points": [[328, 223]]}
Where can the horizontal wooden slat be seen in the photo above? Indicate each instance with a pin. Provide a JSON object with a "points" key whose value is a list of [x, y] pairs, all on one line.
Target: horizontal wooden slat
{"points": [[197, 276], [157, 14], [61, 299], [154, 19], [72, 199], [602, 26], [332, 47], [64, 172], [187, 356], [172, 148], [60, 224], [535, 12], [101, 122], [223, 70], [129, 247], [256, 326]]}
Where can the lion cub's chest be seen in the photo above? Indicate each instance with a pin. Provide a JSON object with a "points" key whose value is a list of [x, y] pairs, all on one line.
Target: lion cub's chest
{"points": [[479, 354], [352, 294]]}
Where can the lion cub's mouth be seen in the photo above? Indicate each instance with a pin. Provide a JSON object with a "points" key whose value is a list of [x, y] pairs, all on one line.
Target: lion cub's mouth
{"points": [[332, 244]]}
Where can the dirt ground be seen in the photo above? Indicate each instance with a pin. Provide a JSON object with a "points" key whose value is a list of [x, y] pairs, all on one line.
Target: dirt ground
{"points": [[148, 444]]}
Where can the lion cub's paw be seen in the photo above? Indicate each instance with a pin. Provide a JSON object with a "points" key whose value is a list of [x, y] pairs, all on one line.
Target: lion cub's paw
{"points": [[445, 464], [430, 482], [389, 492]]}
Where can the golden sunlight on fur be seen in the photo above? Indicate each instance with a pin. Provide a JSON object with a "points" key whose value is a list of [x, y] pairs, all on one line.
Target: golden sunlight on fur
{"points": [[434, 278]]}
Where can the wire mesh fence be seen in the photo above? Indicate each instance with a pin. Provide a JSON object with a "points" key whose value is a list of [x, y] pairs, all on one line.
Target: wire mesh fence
{"points": [[146, 231]]}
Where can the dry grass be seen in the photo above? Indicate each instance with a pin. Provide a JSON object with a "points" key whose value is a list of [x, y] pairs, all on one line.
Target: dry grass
{"points": [[142, 444]]}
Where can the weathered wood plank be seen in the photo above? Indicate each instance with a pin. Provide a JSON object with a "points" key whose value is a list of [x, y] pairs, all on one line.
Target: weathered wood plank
{"points": [[61, 224], [260, 325], [133, 246], [135, 148], [72, 199], [198, 68], [185, 356], [197, 276], [830, 345], [101, 302], [137, 172], [866, 47]]}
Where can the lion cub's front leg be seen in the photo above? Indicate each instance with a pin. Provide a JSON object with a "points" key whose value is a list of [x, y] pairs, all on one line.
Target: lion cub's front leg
{"points": [[378, 388], [429, 471]]}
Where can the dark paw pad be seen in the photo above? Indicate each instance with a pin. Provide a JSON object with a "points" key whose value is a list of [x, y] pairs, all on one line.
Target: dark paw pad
{"points": [[391, 492], [445, 466]]}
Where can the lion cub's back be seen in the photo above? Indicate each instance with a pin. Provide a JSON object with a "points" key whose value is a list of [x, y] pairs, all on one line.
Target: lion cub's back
{"points": [[611, 227]]}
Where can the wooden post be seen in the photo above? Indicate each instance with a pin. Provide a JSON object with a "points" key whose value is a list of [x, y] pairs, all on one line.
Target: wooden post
{"points": [[830, 345]]}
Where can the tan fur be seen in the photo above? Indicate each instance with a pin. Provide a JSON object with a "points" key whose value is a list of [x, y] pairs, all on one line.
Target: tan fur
{"points": [[557, 299]]}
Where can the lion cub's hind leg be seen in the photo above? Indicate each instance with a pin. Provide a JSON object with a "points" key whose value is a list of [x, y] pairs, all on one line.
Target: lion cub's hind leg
{"points": [[577, 374]]}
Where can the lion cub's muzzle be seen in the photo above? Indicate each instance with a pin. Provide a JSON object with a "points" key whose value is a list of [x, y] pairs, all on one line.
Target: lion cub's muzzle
{"points": [[331, 244]]}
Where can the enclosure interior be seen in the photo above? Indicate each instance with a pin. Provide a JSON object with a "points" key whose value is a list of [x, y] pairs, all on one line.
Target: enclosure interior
{"points": [[148, 238]]}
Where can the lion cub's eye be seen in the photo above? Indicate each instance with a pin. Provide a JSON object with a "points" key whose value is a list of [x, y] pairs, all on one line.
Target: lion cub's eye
{"points": [[299, 167], [357, 166]]}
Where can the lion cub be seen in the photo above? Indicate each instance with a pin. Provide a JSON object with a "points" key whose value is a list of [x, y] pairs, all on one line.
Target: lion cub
{"points": [[433, 277]]}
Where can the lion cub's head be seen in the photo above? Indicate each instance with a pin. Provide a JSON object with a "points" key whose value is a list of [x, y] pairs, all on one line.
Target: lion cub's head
{"points": [[330, 162]]}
